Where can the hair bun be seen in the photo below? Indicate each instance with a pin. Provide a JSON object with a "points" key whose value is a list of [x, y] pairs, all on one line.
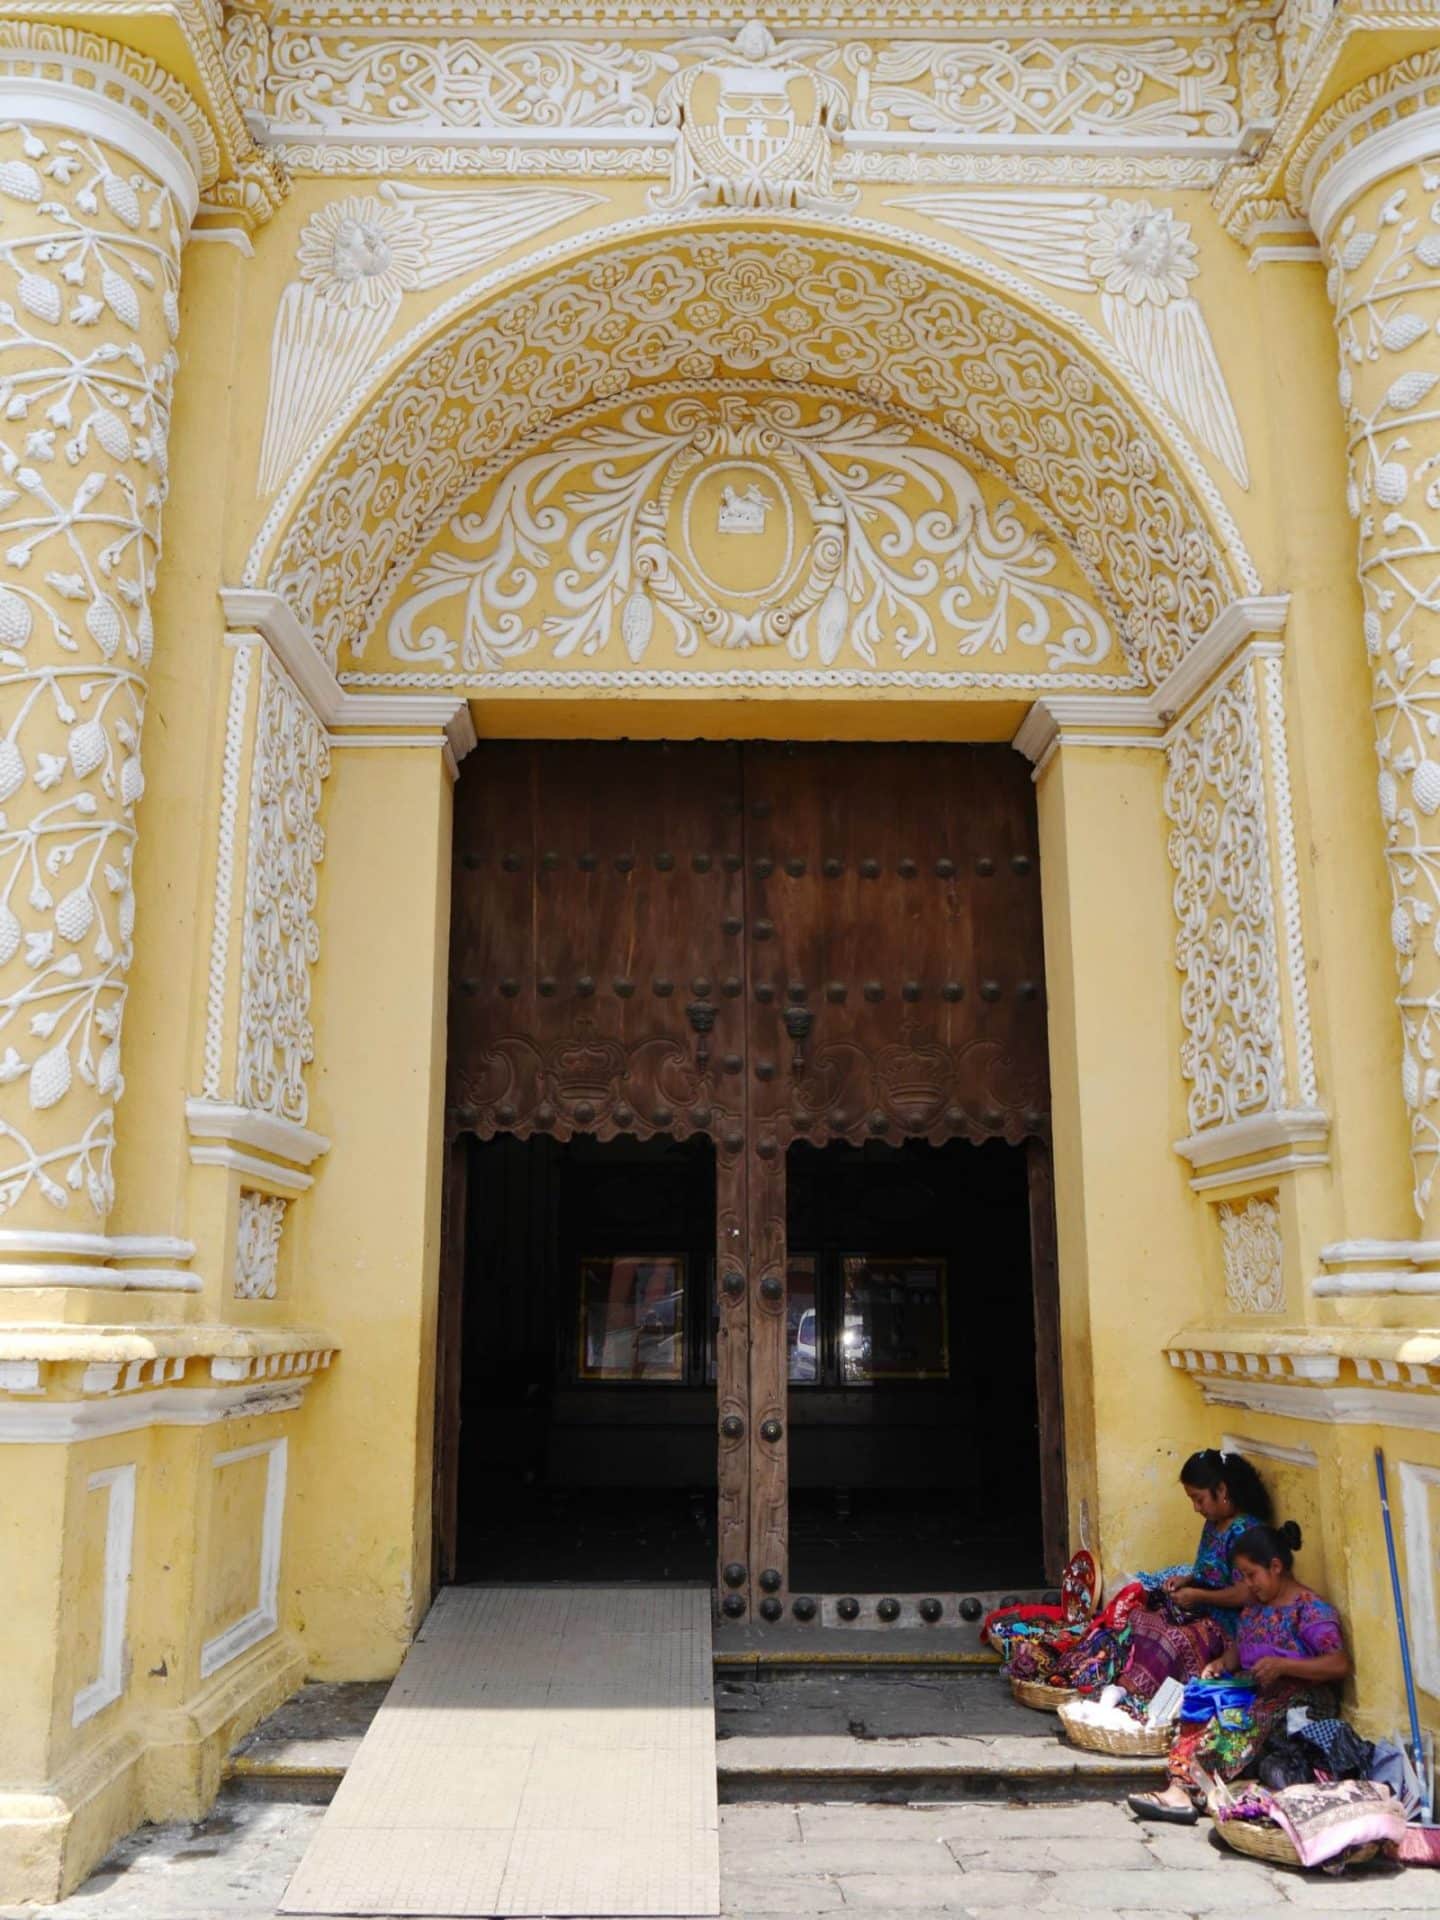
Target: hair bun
{"points": [[1290, 1533]]}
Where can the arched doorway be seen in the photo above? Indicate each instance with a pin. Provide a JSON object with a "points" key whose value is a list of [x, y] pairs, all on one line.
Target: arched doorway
{"points": [[1010, 521]]}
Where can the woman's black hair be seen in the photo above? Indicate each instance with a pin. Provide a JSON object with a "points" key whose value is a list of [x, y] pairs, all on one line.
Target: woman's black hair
{"points": [[1262, 1545], [1210, 1468]]}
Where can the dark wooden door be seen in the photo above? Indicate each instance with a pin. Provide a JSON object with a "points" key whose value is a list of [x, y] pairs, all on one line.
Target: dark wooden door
{"points": [[764, 944]]}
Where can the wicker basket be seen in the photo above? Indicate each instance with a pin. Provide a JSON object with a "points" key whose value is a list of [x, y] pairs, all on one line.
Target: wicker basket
{"points": [[1263, 1841], [1037, 1694], [1136, 1742]]}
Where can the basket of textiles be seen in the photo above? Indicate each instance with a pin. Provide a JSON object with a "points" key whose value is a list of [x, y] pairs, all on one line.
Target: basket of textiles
{"points": [[1040, 1694], [1265, 1842], [1332, 1824], [1111, 1730]]}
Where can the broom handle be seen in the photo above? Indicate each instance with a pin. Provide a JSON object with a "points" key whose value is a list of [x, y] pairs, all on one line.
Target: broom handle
{"points": [[1416, 1748]]}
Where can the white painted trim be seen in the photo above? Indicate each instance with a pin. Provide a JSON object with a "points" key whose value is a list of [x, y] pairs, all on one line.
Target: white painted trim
{"points": [[1327, 189], [274, 133], [1329, 1406], [46, 1422], [1254, 1171], [452, 766], [265, 1132], [1256, 1133], [1054, 718], [42, 100], [32, 1274], [1197, 145], [264, 1617], [104, 1246], [20, 1376], [1414, 1253], [273, 1173], [1269, 1450], [1376, 1285], [225, 236], [1422, 1566], [1252, 617], [257, 610], [1285, 257], [109, 1682]]}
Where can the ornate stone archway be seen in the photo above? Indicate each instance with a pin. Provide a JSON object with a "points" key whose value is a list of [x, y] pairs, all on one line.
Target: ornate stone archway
{"points": [[871, 317]]}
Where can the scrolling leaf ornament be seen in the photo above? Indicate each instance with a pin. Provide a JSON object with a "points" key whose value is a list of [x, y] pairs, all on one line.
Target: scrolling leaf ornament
{"points": [[887, 546]]}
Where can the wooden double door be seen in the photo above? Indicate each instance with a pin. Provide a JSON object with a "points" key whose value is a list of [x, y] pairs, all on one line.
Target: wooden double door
{"points": [[766, 944]]}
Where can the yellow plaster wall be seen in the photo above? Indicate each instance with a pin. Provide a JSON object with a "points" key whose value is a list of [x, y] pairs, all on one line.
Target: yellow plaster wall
{"points": [[1128, 1228], [360, 1573]]}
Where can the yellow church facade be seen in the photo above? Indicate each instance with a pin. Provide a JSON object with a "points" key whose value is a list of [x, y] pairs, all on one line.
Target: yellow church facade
{"points": [[1044, 385]]}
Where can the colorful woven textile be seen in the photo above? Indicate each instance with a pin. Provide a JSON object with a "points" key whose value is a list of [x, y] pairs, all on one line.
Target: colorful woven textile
{"points": [[1167, 1643]]}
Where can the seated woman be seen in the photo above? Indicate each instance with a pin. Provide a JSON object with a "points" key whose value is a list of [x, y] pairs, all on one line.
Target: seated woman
{"points": [[1175, 1638], [1230, 1497], [1288, 1642]]}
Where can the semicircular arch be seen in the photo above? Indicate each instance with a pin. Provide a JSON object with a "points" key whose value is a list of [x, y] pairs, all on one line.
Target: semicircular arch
{"points": [[897, 321]]}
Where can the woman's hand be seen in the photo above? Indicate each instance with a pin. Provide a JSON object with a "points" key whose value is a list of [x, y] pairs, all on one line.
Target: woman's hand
{"points": [[1190, 1597], [1269, 1669], [1174, 1581], [1214, 1669]]}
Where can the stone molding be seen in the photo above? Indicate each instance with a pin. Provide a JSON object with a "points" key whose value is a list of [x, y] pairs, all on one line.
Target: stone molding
{"points": [[64, 1384], [1141, 719], [1165, 106], [1345, 1379], [401, 719]]}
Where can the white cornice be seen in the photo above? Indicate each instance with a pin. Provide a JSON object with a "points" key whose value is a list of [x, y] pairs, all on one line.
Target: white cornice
{"points": [[1140, 719], [1328, 188], [1258, 1133], [78, 108], [51, 1422], [255, 1172], [264, 1132], [257, 611], [1256, 617]]}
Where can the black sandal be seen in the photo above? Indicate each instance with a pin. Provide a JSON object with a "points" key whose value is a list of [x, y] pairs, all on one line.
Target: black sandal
{"points": [[1146, 1806]]}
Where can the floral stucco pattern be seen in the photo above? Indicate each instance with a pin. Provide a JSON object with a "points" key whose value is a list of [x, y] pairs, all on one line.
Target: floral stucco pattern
{"points": [[1384, 271], [281, 940], [1226, 947], [89, 251]]}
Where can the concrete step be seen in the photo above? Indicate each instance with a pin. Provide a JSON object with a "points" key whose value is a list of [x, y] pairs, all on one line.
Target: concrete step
{"points": [[780, 1738]]}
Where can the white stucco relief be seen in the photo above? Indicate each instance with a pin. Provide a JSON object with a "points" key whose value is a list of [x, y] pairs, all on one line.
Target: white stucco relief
{"points": [[652, 522], [1140, 260], [358, 258]]}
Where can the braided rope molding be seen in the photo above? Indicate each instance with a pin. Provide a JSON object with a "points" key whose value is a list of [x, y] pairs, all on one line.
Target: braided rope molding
{"points": [[225, 871], [757, 679], [1273, 670], [120, 77], [893, 17]]}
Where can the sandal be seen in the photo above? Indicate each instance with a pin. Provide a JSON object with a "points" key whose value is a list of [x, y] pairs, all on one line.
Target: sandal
{"points": [[1149, 1806]]}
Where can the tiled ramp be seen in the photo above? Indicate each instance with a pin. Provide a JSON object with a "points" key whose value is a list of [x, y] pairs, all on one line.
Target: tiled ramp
{"points": [[544, 1750]]}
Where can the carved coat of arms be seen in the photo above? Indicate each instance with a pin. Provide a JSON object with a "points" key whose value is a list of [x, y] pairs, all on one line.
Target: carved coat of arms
{"points": [[756, 128]]}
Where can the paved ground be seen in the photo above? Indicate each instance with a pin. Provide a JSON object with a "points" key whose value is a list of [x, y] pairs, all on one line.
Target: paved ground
{"points": [[998, 1861]]}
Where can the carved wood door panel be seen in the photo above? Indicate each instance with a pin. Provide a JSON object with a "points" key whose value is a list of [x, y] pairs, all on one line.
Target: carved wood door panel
{"points": [[763, 944]]}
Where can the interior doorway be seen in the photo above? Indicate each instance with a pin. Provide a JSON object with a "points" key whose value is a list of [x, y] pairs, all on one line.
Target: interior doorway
{"points": [[587, 1447], [914, 1444]]}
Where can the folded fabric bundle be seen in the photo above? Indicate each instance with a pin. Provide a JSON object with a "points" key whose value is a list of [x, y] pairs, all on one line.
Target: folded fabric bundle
{"points": [[1324, 1819], [1338, 1748], [1230, 1700]]}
